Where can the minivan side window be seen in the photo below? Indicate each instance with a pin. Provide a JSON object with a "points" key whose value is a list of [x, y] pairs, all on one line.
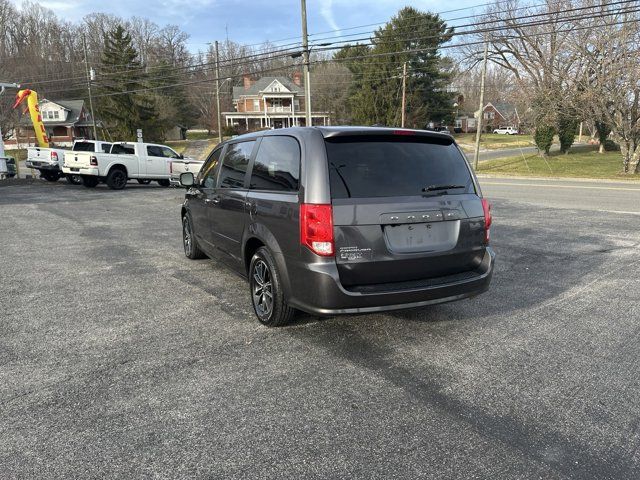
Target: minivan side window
{"points": [[207, 175], [235, 164], [277, 165]]}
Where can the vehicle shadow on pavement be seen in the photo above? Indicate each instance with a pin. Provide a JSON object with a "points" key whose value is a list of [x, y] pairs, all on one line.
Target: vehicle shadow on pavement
{"points": [[348, 341]]}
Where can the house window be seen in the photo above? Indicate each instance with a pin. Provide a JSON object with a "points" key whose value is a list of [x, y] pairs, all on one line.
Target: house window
{"points": [[55, 114], [256, 105]]}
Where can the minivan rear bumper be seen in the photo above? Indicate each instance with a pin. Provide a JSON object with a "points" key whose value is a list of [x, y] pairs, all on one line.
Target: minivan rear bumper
{"points": [[318, 290]]}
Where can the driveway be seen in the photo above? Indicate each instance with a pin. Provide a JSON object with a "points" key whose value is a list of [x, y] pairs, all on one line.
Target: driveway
{"points": [[120, 358]]}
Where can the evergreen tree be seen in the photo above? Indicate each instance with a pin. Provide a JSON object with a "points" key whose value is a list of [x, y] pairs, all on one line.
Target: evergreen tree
{"points": [[414, 37], [122, 105], [173, 105]]}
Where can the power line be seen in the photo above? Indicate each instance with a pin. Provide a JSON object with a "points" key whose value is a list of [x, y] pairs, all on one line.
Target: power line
{"points": [[351, 59], [233, 62]]}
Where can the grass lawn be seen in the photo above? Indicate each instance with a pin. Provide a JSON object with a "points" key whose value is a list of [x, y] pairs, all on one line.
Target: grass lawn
{"points": [[492, 141], [191, 135], [582, 162]]}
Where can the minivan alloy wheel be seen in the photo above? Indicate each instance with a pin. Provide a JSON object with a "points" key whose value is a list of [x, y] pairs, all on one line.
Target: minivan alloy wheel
{"points": [[262, 289], [187, 236]]}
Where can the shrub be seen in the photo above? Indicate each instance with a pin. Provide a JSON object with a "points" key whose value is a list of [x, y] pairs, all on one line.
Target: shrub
{"points": [[229, 131], [543, 137], [566, 132], [611, 146]]}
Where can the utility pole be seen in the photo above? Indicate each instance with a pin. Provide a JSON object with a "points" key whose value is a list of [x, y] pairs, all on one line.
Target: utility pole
{"points": [[218, 94], [86, 64], [404, 92], [481, 113], [305, 56]]}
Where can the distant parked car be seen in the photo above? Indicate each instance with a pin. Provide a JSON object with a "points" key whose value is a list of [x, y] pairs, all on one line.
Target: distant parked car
{"points": [[506, 131], [7, 167]]}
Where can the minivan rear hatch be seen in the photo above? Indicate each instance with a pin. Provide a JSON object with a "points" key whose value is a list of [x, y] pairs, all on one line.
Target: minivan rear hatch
{"points": [[405, 208]]}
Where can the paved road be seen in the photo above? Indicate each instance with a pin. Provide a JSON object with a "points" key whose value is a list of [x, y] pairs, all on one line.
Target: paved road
{"points": [[601, 196], [119, 358]]}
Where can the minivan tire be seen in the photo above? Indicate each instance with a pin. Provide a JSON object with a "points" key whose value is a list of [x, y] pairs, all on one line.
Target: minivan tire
{"points": [[117, 179], [191, 247], [264, 281], [90, 181], [164, 183]]}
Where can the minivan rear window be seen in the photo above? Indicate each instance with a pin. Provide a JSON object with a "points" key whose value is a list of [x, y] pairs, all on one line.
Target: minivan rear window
{"points": [[388, 166]]}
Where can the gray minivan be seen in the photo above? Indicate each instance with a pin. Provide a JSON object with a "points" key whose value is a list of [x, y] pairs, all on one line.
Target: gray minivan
{"points": [[338, 220]]}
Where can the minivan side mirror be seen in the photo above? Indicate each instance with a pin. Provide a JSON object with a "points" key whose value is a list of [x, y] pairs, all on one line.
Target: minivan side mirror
{"points": [[186, 179], [181, 156]]}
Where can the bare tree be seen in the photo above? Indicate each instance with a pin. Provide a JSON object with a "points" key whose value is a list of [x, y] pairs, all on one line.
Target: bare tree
{"points": [[610, 82]]}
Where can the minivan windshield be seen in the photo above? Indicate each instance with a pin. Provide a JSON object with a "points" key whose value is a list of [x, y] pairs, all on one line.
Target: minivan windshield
{"points": [[393, 166]]}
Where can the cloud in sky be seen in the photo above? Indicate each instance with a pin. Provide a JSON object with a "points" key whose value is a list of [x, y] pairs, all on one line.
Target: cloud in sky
{"points": [[326, 10], [247, 21]]}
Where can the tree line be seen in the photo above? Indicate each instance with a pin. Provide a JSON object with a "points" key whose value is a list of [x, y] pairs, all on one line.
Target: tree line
{"points": [[562, 62]]}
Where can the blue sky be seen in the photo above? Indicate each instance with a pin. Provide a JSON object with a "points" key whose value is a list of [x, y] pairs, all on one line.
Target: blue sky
{"points": [[252, 21]]}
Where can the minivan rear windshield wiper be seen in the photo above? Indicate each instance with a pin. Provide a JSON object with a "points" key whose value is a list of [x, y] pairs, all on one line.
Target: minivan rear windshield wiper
{"points": [[433, 188]]}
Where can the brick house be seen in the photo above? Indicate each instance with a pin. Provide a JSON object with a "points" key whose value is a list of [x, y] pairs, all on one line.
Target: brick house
{"points": [[500, 115], [494, 115], [270, 102], [64, 121]]}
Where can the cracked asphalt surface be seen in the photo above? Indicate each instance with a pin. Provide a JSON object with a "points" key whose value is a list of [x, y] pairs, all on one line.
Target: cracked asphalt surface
{"points": [[120, 358]]}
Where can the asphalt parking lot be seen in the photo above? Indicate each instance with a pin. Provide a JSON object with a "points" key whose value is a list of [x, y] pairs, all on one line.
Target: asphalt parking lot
{"points": [[120, 358]]}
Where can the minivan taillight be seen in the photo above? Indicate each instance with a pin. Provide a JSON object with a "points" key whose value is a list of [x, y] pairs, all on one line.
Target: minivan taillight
{"points": [[316, 228], [93, 160], [54, 156], [170, 167], [486, 207]]}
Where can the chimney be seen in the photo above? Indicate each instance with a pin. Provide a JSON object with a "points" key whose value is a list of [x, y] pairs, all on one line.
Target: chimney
{"points": [[297, 78], [246, 80]]}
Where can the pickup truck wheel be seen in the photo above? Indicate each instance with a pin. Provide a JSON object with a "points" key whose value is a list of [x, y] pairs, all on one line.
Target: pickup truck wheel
{"points": [[74, 179], [50, 176], [267, 296], [164, 183], [191, 247], [117, 179], [144, 181], [90, 181]]}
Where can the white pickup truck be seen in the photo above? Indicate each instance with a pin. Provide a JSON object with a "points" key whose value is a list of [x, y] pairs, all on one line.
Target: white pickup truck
{"points": [[506, 131], [49, 161], [180, 166], [143, 162]]}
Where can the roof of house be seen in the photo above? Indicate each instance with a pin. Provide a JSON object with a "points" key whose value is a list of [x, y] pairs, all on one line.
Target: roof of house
{"points": [[73, 106], [505, 109], [262, 83]]}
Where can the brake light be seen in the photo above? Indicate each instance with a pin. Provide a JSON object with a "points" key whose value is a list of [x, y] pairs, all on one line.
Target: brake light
{"points": [[170, 167], [93, 160], [404, 132], [54, 156], [486, 207], [316, 228]]}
